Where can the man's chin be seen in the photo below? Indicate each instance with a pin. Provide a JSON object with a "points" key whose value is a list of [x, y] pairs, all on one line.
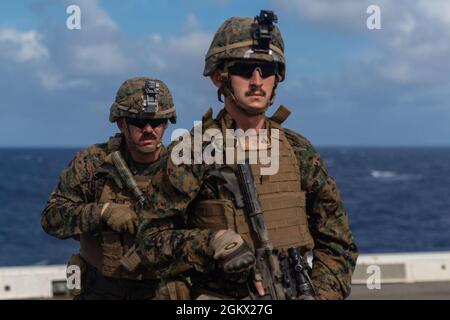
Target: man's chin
{"points": [[257, 103], [255, 106], [147, 148]]}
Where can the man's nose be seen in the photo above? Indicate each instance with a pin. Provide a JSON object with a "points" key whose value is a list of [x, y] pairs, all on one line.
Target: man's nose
{"points": [[148, 128], [256, 76]]}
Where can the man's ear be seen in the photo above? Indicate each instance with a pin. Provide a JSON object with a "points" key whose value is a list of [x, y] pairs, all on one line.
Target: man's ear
{"points": [[121, 125], [216, 78]]}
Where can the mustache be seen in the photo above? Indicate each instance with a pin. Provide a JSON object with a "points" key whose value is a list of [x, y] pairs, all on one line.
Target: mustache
{"points": [[147, 136], [256, 89]]}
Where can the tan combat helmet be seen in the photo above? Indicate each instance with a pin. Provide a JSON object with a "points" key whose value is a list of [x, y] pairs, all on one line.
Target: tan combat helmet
{"points": [[246, 39], [143, 98]]}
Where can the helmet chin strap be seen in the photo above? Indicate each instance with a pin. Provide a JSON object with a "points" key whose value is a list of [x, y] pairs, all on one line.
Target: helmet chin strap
{"points": [[227, 90]]}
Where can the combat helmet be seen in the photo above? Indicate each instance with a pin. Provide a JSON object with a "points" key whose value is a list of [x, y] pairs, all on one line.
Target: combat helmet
{"points": [[143, 98], [243, 38], [247, 38]]}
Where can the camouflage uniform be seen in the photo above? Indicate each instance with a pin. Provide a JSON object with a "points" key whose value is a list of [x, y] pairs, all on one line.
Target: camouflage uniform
{"points": [[192, 204], [91, 180]]}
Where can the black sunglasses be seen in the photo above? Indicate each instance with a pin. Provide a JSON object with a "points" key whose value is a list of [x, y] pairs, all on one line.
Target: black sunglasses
{"points": [[246, 69], [141, 123]]}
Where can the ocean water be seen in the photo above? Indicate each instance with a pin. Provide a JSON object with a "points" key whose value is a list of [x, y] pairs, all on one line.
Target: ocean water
{"points": [[398, 200]]}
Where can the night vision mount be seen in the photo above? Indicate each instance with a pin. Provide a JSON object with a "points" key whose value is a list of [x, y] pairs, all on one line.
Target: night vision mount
{"points": [[151, 96], [262, 31]]}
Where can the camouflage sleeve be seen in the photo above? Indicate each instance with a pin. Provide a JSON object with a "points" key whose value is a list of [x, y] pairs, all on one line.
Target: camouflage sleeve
{"points": [[335, 252], [71, 209], [165, 244], [171, 251]]}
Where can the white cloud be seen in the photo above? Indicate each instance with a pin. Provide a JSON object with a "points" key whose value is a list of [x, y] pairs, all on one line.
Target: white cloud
{"points": [[75, 74], [23, 46], [192, 23], [439, 9], [399, 72], [191, 45], [412, 47], [94, 17], [419, 42], [71, 74], [180, 56], [101, 58], [54, 81], [348, 15]]}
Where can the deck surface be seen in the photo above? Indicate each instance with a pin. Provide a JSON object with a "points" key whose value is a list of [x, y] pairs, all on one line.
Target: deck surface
{"points": [[404, 291]]}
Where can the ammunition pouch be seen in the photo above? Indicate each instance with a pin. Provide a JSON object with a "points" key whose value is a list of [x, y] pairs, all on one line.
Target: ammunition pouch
{"points": [[111, 253], [114, 255]]}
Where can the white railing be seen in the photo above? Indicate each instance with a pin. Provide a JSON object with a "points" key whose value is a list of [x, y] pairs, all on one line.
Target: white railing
{"points": [[46, 281]]}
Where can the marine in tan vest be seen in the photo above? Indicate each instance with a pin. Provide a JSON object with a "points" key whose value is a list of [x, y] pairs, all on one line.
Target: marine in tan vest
{"points": [[104, 189], [201, 232]]}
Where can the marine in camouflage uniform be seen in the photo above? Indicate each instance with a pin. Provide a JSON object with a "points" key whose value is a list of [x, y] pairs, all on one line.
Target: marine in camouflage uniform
{"points": [[94, 204], [197, 220]]}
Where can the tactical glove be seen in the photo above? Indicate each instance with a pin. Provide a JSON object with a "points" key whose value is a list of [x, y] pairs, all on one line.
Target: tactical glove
{"points": [[120, 217], [232, 253]]}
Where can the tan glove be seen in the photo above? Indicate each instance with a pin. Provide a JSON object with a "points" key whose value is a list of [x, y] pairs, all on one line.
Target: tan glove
{"points": [[233, 254], [120, 217]]}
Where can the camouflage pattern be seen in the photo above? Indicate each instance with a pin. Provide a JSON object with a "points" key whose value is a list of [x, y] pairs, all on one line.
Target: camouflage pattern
{"points": [[129, 102], [239, 29], [73, 210], [72, 207], [167, 245]]}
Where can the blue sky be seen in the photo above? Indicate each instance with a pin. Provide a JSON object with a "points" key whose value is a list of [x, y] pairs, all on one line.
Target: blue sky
{"points": [[345, 84]]}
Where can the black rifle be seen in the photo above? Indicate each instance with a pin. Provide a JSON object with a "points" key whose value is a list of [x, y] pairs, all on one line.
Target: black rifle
{"points": [[128, 179], [130, 259], [267, 263], [296, 280], [283, 277], [303, 283]]}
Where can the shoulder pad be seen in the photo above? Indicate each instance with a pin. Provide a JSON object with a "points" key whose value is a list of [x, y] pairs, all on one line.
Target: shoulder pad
{"points": [[207, 119], [114, 142], [280, 115]]}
